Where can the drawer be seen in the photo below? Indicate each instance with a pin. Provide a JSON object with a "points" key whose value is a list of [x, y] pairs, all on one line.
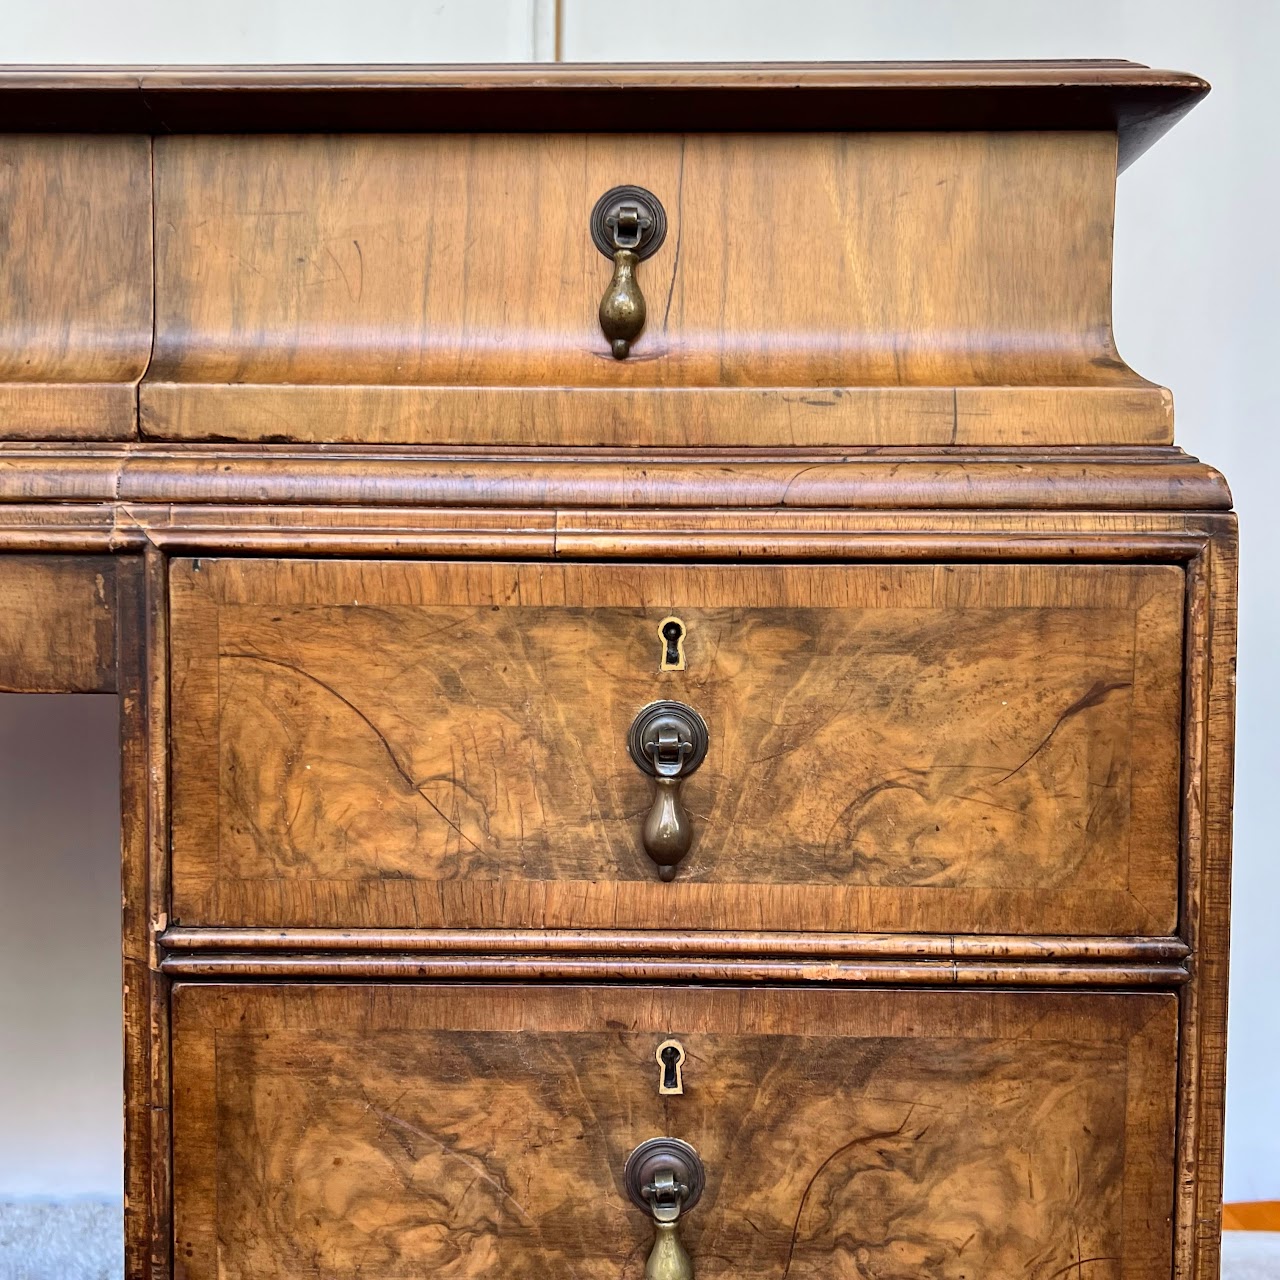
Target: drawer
{"points": [[937, 748], [905, 287], [423, 1132]]}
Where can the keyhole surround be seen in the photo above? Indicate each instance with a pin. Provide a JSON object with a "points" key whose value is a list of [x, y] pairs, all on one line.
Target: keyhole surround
{"points": [[670, 1056], [672, 631]]}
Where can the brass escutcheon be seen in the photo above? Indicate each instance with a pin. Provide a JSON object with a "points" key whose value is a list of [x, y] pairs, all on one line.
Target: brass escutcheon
{"points": [[668, 740], [665, 1178], [628, 225]]}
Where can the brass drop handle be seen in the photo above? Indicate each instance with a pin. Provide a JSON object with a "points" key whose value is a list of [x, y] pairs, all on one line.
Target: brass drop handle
{"points": [[628, 224], [665, 1177], [668, 741]]}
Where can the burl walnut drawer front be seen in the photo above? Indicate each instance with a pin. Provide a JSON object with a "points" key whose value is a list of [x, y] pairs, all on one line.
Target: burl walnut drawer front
{"points": [[975, 748], [411, 1133]]}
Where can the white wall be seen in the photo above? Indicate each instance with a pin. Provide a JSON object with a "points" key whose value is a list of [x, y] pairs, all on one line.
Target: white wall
{"points": [[60, 1037], [1197, 274]]}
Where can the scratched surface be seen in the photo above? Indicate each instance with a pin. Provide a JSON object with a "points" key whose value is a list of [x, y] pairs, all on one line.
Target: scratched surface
{"points": [[935, 747], [427, 1132]]}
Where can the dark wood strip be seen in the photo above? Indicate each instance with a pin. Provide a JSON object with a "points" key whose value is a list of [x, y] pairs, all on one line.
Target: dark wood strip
{"points": [[689, 943], [948, 973], [1139, 102]]}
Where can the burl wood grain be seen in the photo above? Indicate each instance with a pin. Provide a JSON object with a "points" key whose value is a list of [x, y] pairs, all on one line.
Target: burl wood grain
{"points": [[75, 284], [57, 624], [824, 288], [987, 748], [436, 1132]]}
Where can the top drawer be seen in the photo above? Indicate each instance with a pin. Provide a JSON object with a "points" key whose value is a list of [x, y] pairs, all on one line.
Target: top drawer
{"points": [[814, 289], [935, 748]]}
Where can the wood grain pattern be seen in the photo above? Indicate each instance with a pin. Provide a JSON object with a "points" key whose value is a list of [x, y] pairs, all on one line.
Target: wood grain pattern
{"points": [[75, 284], [230, 966], [909, 747], [694, 942], [143, 653], [689, 535], [919, 289], [437, 1132], [949, 956], [57, 624], [1206, 920], [674, 417], [262, 476]]}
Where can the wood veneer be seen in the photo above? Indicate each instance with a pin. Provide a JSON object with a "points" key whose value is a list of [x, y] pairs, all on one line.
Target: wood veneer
{"points": [[57, 624], [76, 283], [904, 427], [429, 1131], [917, 289], [970, 748]]}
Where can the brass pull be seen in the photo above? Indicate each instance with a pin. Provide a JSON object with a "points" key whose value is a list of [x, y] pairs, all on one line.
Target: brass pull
{"points": [[665, 1177], [628, 224], [668, 740]]}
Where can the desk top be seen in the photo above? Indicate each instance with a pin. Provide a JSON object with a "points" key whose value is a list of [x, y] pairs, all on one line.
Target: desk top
{"points": [[1139, 102]]}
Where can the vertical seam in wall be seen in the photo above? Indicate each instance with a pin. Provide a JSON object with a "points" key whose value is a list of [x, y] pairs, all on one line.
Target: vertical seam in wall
{"points": [[546, 30]]}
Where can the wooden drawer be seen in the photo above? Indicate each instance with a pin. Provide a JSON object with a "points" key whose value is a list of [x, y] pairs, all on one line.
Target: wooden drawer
{"points": [[423, 1132], [974, 748], [913, 287]]}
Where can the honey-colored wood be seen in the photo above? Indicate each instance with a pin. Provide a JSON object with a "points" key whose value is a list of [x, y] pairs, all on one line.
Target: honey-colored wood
{"points": [[916, 289], [1206, 918], [433, 1132], [916, 747], [673, 417], [1251, 1215], [75, 284], [875, 447], [928, 973], [144, 910], [57, 624], [259, 476]]}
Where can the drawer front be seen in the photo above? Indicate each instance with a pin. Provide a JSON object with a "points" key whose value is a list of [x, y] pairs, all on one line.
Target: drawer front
{"points": [[988, 748], [416, 1132]]}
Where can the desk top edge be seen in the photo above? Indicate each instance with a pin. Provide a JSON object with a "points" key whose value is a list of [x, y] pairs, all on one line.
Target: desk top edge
{"points": [[1138, 101]]}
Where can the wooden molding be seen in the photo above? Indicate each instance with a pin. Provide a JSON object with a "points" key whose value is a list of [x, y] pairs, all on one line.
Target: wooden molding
{"points": [[1139, 102], [525, 968], [672, 481], [660, 942]]}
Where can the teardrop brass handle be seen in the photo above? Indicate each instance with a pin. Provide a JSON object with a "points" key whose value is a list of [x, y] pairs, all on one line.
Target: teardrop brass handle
{"points": [[665, 1178], [628, 224], [668, 740], [623, 308]]}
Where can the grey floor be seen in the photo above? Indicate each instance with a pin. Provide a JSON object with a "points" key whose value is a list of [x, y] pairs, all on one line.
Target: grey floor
{"points": [[82, 1241], [1251, 1255]]}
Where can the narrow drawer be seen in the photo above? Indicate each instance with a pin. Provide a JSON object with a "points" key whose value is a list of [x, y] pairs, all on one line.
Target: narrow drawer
{"points": [[938, 748], [427, 1132]]}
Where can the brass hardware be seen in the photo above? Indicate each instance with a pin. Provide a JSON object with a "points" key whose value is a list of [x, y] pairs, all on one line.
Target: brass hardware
{"points": [[668, 740], [628, 224], [665, 1178], [670, 1056], [671, 631]]}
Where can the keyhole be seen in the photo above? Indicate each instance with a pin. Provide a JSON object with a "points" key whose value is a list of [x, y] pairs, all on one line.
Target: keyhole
{"points": [[670, 1057], [672, 631]]}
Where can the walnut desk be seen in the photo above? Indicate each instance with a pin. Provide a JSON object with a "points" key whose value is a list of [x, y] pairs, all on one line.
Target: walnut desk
{"points": [[677, 692]]}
